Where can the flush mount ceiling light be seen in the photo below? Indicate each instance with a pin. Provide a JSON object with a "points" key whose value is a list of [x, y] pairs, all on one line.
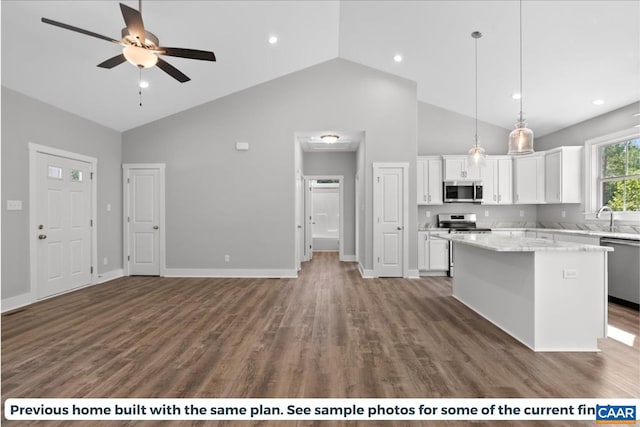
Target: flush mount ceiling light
{"points": [[521, 138], [476, 153], [330, 138]]}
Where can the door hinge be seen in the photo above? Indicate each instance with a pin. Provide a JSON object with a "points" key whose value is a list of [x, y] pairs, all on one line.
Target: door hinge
{"points": [[378, 179], [128, 258], [91, 269], [91, 175], [378, 260], [90, 223], [128, 181], [128, 219]]}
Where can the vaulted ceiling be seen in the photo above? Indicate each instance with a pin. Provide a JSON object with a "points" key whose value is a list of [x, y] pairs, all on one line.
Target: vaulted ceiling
{"points": [[574, 52]]}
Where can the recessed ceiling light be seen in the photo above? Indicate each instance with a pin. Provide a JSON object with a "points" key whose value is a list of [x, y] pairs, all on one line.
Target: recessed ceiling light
{"points": [[143, 84], [397, 58], [516, 96], [273, 40], [597, 101]]}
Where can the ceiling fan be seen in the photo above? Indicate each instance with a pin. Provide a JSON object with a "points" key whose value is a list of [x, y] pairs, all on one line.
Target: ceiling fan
{"points": [[140, 47]]}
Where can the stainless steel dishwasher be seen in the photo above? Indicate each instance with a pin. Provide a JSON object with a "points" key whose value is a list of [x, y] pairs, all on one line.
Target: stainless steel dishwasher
{"points": [[624, 270]]}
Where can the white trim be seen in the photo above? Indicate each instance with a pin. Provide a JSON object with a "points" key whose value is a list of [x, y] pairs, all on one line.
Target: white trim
{"points": [[126, 168], [591, 166], [33, 217], [405, 215], [340, 179], [110, 275], [18, 301], [348, 258], [364, 273], [413, 274], [231, 273]]}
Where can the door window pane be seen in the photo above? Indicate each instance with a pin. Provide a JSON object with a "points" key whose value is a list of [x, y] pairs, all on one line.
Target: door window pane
{"points": [[76, 175], [55, 172]]}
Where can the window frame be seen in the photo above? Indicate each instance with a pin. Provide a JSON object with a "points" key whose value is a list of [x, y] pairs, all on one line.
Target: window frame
{"points": [[592, 165]]}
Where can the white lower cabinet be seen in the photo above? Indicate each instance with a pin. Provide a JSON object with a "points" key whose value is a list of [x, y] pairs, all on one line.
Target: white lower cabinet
{"points": [[433, 254]]}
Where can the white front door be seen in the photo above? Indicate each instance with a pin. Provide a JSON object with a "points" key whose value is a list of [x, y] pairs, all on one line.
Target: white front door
{"points": [[389, 220], [143, 220], [63, 217]]}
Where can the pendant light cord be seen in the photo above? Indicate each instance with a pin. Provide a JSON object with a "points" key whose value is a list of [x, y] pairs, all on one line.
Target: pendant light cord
{"points": [[520, 60], [476, 49]]}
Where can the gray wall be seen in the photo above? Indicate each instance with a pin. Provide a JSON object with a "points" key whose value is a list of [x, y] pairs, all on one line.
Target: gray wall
{"points": [[220, 201], [577, 134], [25, 120], [338, 164], [442, 131]]}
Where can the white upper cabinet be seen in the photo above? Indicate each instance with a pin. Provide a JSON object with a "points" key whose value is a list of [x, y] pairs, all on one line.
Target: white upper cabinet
{"points": [[563, 175], [457, 169], [429, 180], [497, 178], [529, 179]]}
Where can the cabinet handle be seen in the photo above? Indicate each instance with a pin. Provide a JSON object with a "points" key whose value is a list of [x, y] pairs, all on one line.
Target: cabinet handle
{"points": [[494, 197], [424, 198], [429, 197]]}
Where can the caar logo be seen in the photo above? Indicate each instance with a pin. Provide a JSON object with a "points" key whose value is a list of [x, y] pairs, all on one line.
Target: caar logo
{"points": [[611, 414]]}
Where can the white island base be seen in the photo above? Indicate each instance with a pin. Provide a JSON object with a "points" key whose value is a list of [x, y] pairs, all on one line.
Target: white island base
{"points": [[550, 300]]}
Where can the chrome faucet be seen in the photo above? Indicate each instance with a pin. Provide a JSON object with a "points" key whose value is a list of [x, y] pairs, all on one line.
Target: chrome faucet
{"points": [[608, 209]]}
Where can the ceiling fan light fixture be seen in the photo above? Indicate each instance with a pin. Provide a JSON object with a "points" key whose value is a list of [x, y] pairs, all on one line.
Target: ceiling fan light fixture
{"points": [[330, 138], [139, 56]]}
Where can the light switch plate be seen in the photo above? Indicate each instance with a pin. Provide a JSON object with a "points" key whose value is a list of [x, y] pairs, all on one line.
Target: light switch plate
{"points": [[14, 205], [569, 273]]}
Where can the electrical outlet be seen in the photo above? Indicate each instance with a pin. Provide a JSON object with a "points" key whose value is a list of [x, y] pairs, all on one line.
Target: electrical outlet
{"points": [[521, 213], [227, 258], [486, 212], [428, 214], [563, 214], [105, 261]]}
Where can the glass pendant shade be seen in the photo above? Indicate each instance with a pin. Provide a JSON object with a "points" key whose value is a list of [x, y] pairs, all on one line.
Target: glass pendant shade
{"points": [[476, 156], [521, 139], [140, 57]]}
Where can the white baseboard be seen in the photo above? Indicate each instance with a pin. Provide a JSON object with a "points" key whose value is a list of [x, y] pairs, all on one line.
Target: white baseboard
{"points": [[231, 273], [413, 274], [348, 258], [109, 275], [18, 301], [366, 274], [433, 273]]}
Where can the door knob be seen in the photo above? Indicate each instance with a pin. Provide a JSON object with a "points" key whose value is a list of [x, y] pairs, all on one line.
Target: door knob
{"points": [[155, 227], [399, 228], [42, 236]]}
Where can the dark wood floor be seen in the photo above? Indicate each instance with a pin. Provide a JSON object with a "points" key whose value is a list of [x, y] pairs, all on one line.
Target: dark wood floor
{"points": [[328, 333]]}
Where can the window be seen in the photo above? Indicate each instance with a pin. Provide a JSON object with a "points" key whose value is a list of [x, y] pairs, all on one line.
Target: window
{"points": [[619, 178], [55, 172], [612, 174]]}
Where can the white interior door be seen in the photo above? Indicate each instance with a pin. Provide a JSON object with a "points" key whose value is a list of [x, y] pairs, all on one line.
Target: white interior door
{"points": [[390, 211], [64, 221], [144, 220], [309, 222]]}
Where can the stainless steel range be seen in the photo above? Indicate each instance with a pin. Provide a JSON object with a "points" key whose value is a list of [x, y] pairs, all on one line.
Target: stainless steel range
{"points": [[459, 224]]}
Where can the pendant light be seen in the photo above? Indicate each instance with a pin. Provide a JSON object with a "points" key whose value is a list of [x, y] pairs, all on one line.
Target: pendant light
{"points": [[521, 138], [476, 155]]}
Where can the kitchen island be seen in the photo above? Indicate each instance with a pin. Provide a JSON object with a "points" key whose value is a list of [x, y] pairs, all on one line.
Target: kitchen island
{"points": [[551, 296]]}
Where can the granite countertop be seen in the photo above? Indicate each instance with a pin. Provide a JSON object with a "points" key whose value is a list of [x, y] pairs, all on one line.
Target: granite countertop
{"points": [[594, 233], [521, 244]]}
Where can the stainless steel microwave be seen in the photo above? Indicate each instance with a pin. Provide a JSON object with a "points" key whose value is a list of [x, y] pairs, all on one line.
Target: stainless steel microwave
{"points": [[462, 191]]}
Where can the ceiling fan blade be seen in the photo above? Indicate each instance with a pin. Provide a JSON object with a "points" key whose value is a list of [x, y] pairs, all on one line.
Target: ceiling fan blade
{"points": [[188, 53], [133, 20], [80, 30], [112, 62], [172, 71]]}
